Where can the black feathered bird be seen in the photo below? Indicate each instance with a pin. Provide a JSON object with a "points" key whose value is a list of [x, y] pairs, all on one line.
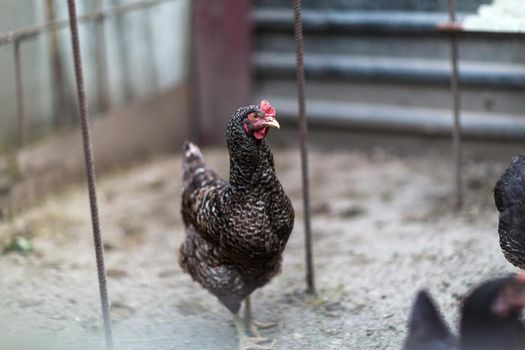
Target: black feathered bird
{"points": [[490, 319], [509, 196], [236, 230]]}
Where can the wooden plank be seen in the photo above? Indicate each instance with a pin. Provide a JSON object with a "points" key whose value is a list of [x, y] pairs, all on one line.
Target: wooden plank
{"points": [[221, 42], [122, 137]]}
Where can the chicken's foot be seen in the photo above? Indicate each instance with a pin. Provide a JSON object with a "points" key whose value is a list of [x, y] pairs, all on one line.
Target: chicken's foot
{"points": [[250, 343], [251, 325]]}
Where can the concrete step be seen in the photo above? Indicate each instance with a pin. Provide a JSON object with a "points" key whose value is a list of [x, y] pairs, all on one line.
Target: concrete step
{"points": [[397, 34], [402, 95], [352, 22], [390, 69], [375, 5], [387, 118], [478, 49]]}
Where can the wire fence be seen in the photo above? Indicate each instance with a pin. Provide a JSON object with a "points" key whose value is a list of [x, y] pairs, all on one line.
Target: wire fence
{"points": [[16, 39]]}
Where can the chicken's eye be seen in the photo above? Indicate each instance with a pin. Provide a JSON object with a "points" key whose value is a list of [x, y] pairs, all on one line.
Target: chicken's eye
{"points": [[253, 116]]}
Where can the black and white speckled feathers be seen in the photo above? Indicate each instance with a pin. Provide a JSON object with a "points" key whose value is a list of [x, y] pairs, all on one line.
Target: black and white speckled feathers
{"points": [[236, 231], [509, 196]]}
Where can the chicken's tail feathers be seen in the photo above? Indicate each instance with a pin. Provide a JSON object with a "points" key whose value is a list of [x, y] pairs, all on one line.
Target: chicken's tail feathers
{"points": [[192, 159], [426, 323], [425, 312]]}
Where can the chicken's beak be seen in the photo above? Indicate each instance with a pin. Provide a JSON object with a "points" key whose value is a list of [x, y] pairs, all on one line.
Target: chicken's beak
{"points": [[271, 122]]}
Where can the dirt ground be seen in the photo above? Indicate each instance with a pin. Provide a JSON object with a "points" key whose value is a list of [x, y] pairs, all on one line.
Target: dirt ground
{"points": [[383, 224]]}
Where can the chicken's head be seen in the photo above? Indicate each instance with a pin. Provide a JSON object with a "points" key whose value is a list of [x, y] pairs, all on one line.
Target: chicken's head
{"points": [[510, 299], [497, 299], [259, 119], [491, 314]]}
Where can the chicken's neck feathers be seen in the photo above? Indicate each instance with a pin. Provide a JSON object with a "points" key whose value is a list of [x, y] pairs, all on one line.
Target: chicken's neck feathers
{"points": [[253, 174]]}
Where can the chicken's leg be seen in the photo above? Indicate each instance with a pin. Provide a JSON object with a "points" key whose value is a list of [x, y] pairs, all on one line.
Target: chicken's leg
{"points": [[248, 343], [250, 324]]}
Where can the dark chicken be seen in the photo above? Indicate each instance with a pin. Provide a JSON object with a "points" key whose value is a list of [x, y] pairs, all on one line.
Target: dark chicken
{"points": [[236, 231], [509, 195], [490, 319]]}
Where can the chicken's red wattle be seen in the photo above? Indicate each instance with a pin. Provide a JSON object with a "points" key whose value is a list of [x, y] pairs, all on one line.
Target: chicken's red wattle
{"points": [[260, 134]]}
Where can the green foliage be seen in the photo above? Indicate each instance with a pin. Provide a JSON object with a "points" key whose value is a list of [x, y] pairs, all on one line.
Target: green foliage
{"points": [[19, 244]]}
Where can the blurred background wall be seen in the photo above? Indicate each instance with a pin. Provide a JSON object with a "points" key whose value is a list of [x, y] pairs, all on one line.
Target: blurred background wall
{"points": [[145, 53], [384, 65], [135, 60], [177, 69]]}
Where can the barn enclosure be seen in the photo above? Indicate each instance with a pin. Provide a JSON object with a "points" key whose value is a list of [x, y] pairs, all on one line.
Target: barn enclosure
{"points": [[397, 118]]}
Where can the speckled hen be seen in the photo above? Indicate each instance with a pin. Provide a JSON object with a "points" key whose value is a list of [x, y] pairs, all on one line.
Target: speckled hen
{"points": [[236, 230], [509, 195]]}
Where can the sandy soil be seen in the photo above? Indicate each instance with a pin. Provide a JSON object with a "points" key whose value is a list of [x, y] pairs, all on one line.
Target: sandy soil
{"points": [[383, 224]]}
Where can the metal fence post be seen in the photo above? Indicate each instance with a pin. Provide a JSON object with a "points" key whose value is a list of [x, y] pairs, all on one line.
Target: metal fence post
{"points": [[90, 170], [454, 86], [303, 138], [22, 123]]}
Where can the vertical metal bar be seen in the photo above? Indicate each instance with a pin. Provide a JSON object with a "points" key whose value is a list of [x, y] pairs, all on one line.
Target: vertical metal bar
{"points": [[303, 136], [59, 98], [194, 92], [454, 85], [104, 98], [123, 55], [151, 62], [90, 170], [22, 124]]}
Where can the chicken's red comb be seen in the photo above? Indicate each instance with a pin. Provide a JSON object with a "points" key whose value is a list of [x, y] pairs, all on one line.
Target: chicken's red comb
{"points": [[520, 277], [267, 108]]}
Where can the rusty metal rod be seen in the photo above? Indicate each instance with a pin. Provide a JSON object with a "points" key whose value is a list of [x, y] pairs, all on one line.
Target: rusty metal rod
{"points": [[90, 171], [456, 131], [303, 139], [30, 32], [22, 123]]}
